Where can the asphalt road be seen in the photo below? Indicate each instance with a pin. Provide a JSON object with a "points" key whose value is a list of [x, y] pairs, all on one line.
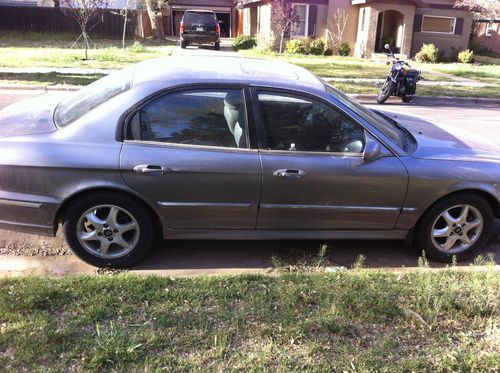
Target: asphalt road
{"points": [[195, 257]]}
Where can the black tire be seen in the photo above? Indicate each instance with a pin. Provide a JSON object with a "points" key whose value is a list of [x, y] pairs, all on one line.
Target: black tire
{"points": [[386, 91], [407, 99], [217, 46], [424, 239], [183, 44], [145, 222]]}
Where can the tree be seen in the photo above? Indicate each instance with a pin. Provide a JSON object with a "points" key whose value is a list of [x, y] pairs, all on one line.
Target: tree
{"points": [[336, 28], [154, 8], [283, 17], [489, 9], [85, 13]]}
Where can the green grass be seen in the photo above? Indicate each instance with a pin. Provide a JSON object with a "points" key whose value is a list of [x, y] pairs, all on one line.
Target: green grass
{"points": [[48, 79], [54, 50], [335, 66], [353, 321]]}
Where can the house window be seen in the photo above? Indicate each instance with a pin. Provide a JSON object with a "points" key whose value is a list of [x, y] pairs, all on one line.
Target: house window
{"points": [[491, 27], [302, 12], [440, 25]]}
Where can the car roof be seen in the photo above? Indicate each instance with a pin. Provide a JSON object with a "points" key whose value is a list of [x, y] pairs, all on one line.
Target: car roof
{"points": [[177, 70], [198, 11]]}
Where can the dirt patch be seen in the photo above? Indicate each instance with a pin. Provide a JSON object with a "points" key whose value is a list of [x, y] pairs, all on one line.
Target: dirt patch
{"points": [[20, 244]]}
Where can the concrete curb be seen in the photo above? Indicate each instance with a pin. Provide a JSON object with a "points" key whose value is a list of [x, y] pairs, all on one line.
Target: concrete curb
{"points": [[431, 100], [69, 265]]}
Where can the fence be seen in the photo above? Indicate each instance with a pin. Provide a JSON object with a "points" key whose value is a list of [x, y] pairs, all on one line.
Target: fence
{"points": [[54, 20]]}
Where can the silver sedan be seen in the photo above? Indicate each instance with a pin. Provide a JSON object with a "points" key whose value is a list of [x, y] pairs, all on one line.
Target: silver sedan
{"points": [[234, 148]]}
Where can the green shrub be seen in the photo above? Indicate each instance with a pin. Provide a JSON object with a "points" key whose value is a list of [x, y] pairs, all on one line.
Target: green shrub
{"points": [[466, 56], [317, 47], [328, 52], [428, 53], [244, 42], [297, 46], [266, 42], [344, 49]]}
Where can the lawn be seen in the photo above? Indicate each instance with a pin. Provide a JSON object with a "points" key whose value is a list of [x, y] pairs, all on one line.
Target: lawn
{"points": [[54, 50], [352, 321]]}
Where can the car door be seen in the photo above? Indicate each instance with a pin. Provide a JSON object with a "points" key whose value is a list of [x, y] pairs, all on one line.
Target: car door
{"points": [[188, 151], [314, 173]]}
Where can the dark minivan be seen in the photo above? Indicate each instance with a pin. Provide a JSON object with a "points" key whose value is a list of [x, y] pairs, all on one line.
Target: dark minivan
{"points": [[200, 27]]}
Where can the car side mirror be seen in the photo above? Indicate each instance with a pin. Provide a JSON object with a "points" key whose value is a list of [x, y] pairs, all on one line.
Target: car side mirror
{"points": [[373, 150]]}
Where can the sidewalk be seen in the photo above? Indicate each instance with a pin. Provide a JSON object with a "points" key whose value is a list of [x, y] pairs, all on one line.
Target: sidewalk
{"points": [[459, 82]]}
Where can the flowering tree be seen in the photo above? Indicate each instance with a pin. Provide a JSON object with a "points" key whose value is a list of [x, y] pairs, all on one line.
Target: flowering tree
{"points": [[283, 17], [85, 13], [489, 9]]}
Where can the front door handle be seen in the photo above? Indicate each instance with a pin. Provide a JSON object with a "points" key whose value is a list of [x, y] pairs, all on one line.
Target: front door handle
{"points": [[150, 169], [290, 174]]}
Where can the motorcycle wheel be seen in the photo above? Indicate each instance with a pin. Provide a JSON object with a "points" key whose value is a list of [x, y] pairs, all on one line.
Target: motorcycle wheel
{"points": [[407, 99], [386, 91]]}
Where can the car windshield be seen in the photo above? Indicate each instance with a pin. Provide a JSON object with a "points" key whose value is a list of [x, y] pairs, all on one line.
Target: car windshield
{"points": [[199, 17], [93, 95], [389, 127]]}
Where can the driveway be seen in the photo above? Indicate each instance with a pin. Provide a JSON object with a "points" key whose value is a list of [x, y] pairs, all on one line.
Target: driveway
{"points": [[226, 50], [50, 255]]}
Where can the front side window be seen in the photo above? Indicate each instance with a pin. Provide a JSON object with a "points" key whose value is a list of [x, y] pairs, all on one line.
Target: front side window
{"points": [[442, 25], [296, 123], [196, 117]]}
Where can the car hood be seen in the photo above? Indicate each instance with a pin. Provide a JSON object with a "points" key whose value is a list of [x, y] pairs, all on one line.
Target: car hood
{"points": [[29, 117], [445, 142]]}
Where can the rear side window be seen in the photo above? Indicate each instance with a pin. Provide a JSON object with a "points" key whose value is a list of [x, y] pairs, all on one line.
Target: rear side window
{"points": [[199, 117], [92, 96], [199, 17]]}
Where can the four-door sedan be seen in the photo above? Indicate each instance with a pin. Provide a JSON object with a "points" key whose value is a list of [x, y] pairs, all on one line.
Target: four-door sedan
{"points": [[234, 148]]}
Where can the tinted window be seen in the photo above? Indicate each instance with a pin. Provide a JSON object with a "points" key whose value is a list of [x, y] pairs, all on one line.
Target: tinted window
{"points": [[400, 137], [199, 17], [300, 124], [92, 96], [208, 117]]}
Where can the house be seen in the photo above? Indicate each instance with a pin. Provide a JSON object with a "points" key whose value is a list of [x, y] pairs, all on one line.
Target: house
{"points": [[405, 24], [487, 34]]}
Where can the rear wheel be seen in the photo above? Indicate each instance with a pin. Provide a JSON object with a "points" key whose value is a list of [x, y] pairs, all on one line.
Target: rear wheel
{"points": [[459, 225], [217, 46], [407, 99], [183, 44], [109, 230], [386, 91]]}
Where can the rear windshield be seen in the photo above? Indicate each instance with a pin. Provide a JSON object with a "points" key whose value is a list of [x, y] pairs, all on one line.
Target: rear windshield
{"points": [[93, 95], [199, 17]]}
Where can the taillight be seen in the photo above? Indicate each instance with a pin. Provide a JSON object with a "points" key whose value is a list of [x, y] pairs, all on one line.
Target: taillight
{"points": [[217, 28], [182, 27]]}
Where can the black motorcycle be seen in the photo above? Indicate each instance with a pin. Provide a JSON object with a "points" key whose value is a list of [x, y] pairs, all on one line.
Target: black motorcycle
{"points": [[401, 82]]}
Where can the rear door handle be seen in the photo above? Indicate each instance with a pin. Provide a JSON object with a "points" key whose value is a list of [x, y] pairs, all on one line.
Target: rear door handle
{"points": [[150, 169], [290, 174]]}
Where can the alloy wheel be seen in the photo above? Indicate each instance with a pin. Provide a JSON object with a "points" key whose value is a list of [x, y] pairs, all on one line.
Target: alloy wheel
{"points": [[457, 229], [107, 231]]}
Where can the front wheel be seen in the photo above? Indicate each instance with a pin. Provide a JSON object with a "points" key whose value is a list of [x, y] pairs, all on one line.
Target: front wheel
{"points": [[459, 225], [407, 99], [108, 230], [386, 91]]}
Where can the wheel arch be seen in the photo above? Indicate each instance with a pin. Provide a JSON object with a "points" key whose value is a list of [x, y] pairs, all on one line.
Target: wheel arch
{"points": [[59, 216], [490, 198]]}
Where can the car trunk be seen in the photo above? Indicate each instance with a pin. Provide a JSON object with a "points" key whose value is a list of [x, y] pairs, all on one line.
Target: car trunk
{"points": [[29, 117], [199, 23]]}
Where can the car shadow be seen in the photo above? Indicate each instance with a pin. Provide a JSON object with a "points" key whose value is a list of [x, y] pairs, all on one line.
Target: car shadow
{"points": [[203, 255]]}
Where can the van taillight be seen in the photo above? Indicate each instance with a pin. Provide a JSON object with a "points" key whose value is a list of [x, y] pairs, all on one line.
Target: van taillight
{"points": [[217, 28], [182, 27]]}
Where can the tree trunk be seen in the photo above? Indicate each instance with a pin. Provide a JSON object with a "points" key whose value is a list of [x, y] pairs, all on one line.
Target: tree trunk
{"points": [[281, 41], [156, 23]]}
